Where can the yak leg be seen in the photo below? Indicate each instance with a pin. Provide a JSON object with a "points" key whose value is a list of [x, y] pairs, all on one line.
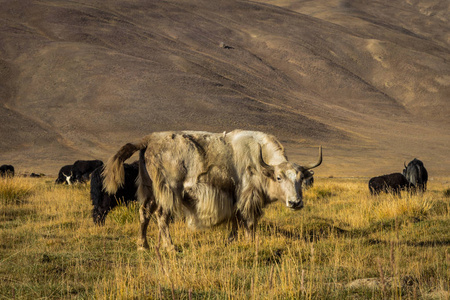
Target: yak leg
{"points": [[144, 219], [248, 224], [145, 211], [250, 229], [234, 229], [147, 208], [163, 218]]}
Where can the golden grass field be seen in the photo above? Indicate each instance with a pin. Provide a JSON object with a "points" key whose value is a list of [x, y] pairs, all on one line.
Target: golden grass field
{"points": [[345, 244]]}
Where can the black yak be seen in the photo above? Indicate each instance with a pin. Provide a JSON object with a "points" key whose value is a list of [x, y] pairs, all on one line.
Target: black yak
{"points": [[104, 202], [82, 169], [416, 174], [391, 183], [65, 175], [6, 171]]}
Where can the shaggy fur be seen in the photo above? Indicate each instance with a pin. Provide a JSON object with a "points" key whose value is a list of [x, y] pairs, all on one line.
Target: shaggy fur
{"points": [[210, 178], [113, 172]]}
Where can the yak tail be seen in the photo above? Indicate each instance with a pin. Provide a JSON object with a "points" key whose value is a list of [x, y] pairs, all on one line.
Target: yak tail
{"points": [[113, 172]]}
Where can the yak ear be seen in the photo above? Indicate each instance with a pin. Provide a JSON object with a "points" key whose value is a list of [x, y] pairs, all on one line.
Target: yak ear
{"points": [[308, 174], [270, 173], [251, 170]]}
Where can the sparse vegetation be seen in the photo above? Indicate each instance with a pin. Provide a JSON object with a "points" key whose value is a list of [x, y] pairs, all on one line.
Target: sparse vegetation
{"points": [[343, 244]]}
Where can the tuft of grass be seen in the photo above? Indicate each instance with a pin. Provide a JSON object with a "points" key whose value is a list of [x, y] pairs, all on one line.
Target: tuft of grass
{"points": [[125, 214], [319, 193], [413, 207], [14, 190]]}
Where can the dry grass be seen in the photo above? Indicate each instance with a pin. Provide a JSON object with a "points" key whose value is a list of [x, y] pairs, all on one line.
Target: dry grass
{"points": [[14, 191], [343, 244]]}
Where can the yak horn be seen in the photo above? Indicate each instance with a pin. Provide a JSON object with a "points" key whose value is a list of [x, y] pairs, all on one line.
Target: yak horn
{"points": [[262, 162], [318, 162]]}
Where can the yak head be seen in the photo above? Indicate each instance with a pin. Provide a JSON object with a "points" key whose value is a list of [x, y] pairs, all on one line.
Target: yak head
{"points": [[285, 181], [68, 178]]}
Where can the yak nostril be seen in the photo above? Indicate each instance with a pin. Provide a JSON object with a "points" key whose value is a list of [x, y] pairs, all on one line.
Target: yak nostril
{"points": [[295, 204]]}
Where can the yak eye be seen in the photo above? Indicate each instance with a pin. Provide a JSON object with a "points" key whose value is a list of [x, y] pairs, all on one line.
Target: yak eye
{"points": [[278, 178]]}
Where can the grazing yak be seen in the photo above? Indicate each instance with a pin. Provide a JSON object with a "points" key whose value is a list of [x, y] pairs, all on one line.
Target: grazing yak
{"points": [[6, 171], [104, 202], [65, 175], [212, 178], [416, 174], [82, 169], [391, 183]]}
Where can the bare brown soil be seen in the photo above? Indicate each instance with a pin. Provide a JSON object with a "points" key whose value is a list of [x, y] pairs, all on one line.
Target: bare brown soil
{"points": [[368, 80]]}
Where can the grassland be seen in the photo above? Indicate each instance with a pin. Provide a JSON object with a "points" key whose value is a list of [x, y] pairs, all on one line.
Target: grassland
{"points": [[344, 244]]}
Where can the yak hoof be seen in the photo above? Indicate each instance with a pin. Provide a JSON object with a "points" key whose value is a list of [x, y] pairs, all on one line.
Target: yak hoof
{"points": [[142, 245], [232, 238]]}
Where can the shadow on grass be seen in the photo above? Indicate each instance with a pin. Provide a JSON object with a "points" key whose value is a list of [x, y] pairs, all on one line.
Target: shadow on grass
{"points": [[445, 242], [168, 293], [314, 230]]}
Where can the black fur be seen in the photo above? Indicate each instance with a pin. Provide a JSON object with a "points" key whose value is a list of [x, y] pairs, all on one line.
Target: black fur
{"points": [[416, 174], [67, 169], [6, 170], [391, 183], [104, 202], [82, 169], [308, 182]]}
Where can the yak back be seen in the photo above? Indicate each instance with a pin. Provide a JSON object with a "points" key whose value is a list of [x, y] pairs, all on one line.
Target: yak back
{"points": [[83, 168], [388, 183]]}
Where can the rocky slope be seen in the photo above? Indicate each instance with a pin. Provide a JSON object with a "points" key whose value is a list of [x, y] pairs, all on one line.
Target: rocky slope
{"points": [[368, 80]]}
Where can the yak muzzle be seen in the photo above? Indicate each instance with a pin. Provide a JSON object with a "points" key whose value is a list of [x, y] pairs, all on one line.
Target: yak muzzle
{"points": [[295, 205]]}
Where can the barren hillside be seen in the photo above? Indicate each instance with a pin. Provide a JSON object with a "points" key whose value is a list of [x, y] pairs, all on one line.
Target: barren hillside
{"points": [[368, 80]]}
